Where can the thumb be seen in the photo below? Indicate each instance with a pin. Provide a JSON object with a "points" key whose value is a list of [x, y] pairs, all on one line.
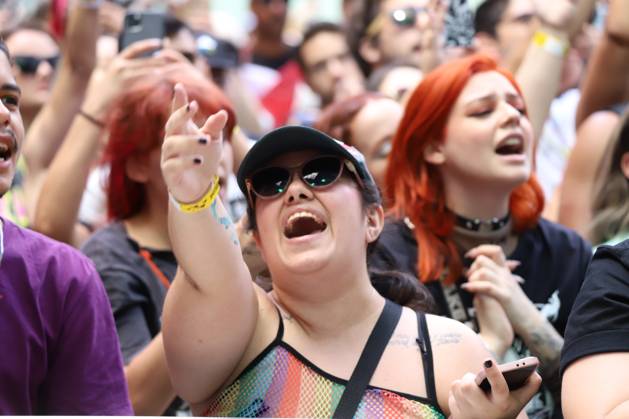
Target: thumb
{"points": [[215, 124]]}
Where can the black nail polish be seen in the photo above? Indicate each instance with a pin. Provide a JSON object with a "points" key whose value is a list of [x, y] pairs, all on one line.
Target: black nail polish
{"points": [[203, 141], [488, 363], [197, 160]]}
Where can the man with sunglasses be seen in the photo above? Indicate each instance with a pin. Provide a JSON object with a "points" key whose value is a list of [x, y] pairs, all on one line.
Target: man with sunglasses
{"points": [[35, 57], [408, 29]]}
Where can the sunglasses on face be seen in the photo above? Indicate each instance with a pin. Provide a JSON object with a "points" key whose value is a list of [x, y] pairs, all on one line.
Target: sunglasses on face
{"points": [[29, 64], [404, 17], [317, 173]]}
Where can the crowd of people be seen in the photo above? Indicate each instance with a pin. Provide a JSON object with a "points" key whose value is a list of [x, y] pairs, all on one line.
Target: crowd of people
{"points": [[353, 225]]}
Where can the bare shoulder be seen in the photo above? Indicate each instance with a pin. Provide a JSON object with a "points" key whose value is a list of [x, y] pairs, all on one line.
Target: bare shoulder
{"points": [[445, 332], [456, 350]]}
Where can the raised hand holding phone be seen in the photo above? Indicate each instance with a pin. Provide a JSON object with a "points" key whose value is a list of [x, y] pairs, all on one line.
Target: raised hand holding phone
{"points": [[190, 154], [469, 401]]}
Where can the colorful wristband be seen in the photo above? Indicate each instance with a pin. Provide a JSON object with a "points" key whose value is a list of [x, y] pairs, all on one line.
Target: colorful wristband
{"points": [[551, 43], [204, 202]]}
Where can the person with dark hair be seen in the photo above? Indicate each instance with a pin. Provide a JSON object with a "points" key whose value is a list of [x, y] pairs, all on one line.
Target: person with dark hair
{"points": [[396, 29], [327, 63], [466, 217], [270, 70], [368, 122], [296, 351], [60, 354], [595, 358]]}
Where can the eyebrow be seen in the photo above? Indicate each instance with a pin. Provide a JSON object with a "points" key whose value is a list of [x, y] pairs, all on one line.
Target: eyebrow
{"points": [[492, 96], [11, 86]]}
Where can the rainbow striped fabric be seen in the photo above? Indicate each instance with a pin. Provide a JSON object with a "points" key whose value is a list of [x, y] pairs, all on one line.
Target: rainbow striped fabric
{"points": [[282, 383]]}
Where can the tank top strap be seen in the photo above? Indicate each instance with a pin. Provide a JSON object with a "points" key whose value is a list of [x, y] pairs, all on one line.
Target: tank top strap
{"points": [[423, 340]]}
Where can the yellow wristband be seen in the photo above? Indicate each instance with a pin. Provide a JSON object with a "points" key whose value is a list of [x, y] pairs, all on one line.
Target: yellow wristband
{"points": [[551, 43], [204, 202]]}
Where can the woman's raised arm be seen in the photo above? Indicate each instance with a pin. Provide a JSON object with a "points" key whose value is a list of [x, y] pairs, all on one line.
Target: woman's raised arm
{"points": [[211, 310]]}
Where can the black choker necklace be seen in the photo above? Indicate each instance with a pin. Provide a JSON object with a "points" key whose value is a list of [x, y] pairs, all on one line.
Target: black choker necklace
{"points": [[477, 224]]}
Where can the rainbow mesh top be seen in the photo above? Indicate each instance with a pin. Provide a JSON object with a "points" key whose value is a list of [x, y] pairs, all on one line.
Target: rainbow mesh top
{"points": [[280, 382]]}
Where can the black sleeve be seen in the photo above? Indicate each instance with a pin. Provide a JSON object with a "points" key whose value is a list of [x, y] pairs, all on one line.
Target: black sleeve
{"points": [[599, 321]]}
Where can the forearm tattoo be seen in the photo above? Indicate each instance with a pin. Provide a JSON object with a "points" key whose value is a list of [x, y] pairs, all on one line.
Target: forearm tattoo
{"points": [[226, 222]]}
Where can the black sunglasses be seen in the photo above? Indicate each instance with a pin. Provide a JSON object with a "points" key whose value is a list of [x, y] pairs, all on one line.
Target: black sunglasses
{"points": [[320, 172], [29, 64]]}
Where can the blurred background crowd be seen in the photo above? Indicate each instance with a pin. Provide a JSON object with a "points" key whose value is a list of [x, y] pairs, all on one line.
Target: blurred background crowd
{"points": [[97, 76]]}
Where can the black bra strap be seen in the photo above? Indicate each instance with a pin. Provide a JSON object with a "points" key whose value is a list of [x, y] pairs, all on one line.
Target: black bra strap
{"points": [[369, 359], [423, 340]]}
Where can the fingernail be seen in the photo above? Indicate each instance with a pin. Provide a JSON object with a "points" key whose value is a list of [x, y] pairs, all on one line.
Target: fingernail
{"points": [[197, 160], [488, 363], [202, 141]]}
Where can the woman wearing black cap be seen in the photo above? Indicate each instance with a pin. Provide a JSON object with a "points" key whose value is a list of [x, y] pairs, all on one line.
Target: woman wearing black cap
{"points": [[323, 343]]}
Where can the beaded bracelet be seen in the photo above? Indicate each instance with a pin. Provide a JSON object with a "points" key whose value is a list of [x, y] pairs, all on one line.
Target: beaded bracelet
{"points": [[202, 203]]}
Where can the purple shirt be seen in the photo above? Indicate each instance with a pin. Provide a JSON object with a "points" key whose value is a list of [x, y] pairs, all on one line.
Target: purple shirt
{"points": [[59, 352]]}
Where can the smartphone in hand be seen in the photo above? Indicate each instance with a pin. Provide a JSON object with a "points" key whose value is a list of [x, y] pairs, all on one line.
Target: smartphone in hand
{"points": [[515, 373], [141, 25]]}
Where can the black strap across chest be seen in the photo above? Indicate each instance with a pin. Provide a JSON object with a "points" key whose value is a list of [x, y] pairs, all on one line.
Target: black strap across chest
{"points": [[369, 359]]}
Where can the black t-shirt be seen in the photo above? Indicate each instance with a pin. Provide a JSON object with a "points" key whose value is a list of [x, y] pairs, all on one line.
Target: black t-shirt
{"points": [[599, 321], [135, 293], [553, 261]]}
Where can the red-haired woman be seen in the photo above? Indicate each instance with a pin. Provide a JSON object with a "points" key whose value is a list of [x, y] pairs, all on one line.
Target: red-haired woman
{"points": [[133, 253], [467, 217]]}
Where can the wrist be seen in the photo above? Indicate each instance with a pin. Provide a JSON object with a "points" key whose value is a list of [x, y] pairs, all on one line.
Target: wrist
{"points": [[91, 119], [204, 202], [552, 41]]}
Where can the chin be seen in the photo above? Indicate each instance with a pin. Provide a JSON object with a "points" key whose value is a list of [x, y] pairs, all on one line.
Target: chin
{"points": [[306, 263]]}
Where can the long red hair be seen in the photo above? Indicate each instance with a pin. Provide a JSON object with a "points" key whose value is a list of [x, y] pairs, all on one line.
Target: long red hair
{"points": [[136, 126], [415, 188]]}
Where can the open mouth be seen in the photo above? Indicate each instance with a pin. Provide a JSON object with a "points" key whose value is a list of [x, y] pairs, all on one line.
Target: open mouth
{"points": [[5, 152], [510, 146], [303, 223]]}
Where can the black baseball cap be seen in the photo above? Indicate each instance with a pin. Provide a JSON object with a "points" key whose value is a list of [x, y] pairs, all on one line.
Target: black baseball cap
{"points": [[292, 138]]}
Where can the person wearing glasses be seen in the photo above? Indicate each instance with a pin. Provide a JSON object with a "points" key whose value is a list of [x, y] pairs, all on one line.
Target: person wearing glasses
{"points": [[466, 207], [400, 29], [35, 56], [323, 342]]}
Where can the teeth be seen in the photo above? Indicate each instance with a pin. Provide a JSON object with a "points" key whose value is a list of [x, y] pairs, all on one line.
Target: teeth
{"points": [[302, 214], [511, 142]]}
